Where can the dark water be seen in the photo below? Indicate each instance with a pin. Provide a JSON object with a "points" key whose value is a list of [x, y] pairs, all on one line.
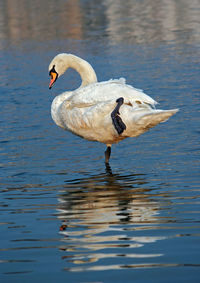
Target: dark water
{"points": [[64, 216]]}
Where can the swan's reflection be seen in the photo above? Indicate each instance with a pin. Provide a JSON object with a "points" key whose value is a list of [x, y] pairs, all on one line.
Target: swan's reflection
{"points": [[108, 212]]}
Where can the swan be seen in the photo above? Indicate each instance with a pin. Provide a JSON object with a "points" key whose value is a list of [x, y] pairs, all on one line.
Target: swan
{"points": [[107, 111]]}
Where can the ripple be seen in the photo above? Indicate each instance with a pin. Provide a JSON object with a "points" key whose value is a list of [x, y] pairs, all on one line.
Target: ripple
{"points": [[61, 208], [128, 266], [17, 272]]}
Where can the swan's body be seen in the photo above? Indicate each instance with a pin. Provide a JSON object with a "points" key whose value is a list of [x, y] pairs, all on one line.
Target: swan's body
{"points": [[86, 111]]}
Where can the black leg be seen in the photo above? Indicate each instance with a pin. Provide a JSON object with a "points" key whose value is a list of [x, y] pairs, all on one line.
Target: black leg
{"points": [[108, 170], [107, 154], [117, 121]]}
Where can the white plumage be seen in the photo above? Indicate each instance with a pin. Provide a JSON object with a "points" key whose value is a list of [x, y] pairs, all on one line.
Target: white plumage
{"points": [[86, 111]]}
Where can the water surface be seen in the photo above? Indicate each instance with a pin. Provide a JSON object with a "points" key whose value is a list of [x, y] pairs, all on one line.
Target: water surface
{"points": [[64, 215]]}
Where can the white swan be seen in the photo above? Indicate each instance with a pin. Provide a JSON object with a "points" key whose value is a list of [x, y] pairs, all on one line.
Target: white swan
{"points": [[106, 112]]}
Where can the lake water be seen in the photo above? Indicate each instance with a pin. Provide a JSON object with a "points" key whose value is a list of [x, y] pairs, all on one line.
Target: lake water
{"points": [[65, 217]]}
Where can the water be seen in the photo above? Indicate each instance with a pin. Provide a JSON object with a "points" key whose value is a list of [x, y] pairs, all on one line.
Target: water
{"points": [[64, 215]]}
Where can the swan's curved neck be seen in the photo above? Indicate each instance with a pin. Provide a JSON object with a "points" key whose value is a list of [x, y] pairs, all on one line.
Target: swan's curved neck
{"points": [[85, 70]]}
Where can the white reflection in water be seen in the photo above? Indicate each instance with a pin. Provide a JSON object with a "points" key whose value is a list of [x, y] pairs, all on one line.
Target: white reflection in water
{"points": [[105, 213]]}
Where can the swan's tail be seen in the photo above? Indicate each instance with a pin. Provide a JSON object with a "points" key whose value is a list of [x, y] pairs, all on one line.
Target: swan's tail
{"points": [[156, 117], [142, 122]]}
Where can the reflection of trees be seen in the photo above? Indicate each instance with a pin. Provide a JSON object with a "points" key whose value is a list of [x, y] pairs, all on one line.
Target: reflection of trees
{"points": [[132, 21], [102, 212], [150, 21], [40, 19]]}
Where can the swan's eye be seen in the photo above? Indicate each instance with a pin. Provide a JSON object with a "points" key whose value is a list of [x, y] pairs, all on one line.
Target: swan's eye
{"points": [[52, 70]]}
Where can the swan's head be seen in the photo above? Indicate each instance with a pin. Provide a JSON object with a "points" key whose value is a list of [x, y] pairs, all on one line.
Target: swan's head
{"points": [[57, 67], [63, 61]]}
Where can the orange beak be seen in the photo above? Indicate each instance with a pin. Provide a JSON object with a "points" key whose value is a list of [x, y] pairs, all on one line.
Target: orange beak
{"points": [[54, 77]]}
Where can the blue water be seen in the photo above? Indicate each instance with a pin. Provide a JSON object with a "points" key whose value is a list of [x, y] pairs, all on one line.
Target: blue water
{"points": [[64, 215]]}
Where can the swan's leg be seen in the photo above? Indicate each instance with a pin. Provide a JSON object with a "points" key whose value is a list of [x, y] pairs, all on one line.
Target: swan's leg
{"points": [[107, 154], [117, 121]]}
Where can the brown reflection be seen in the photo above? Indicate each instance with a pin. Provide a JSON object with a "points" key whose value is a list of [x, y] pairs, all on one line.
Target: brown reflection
{"points": [[116, 21], [102, 212], [40, 20], [152, 21]]}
